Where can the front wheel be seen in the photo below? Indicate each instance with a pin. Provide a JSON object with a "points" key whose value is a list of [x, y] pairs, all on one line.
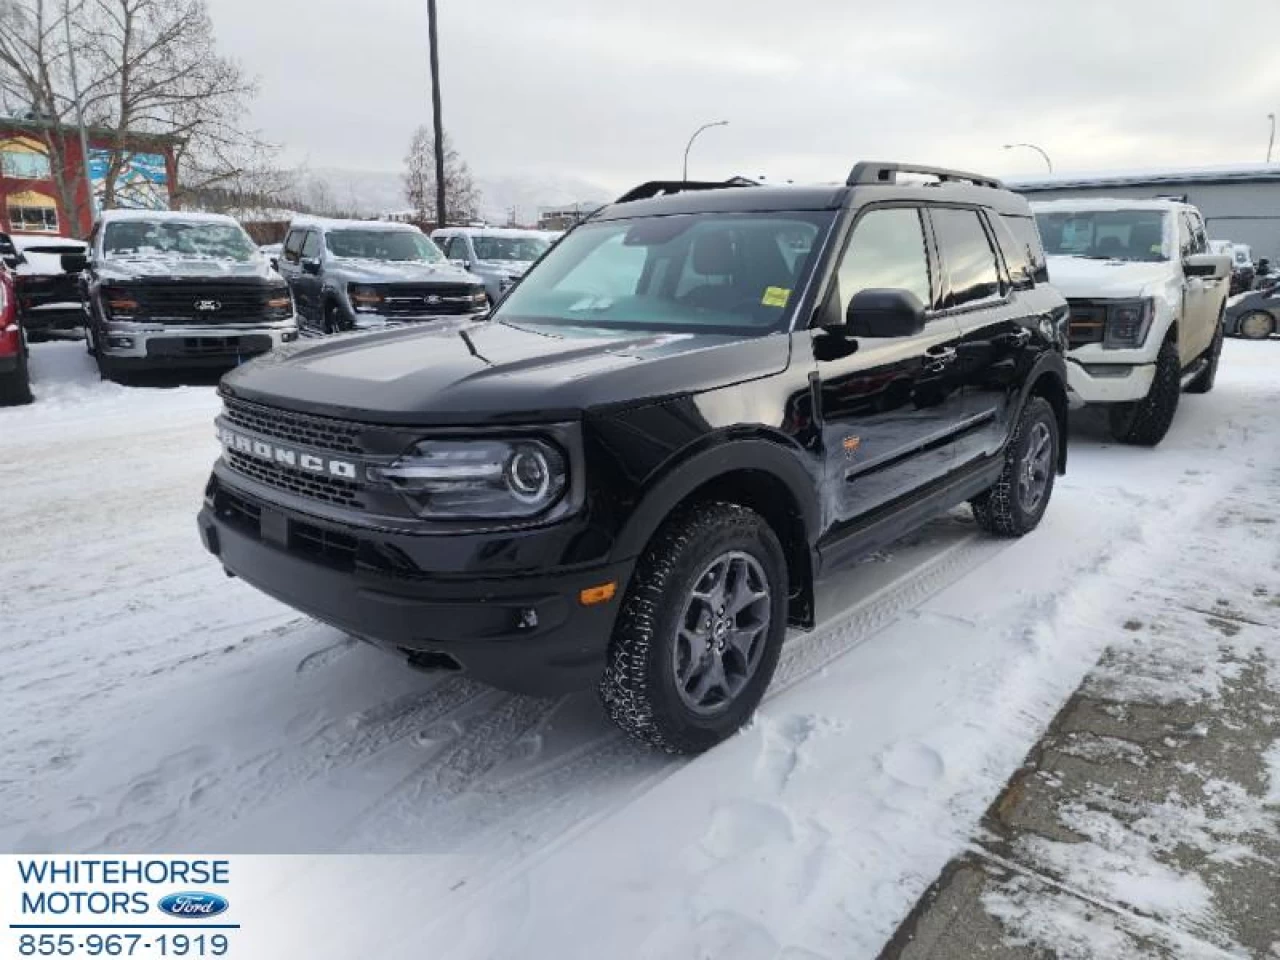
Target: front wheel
{"points": [[1145, 423], [700, 630], [1016, 503]]}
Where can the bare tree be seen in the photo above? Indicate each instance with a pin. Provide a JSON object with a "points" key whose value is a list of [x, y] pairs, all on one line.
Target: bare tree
{"points": [[35, 80], [462, 197], [146, 67]]}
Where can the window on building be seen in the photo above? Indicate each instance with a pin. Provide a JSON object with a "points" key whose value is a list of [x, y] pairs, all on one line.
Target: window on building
{"points": [[33, 219], [24, 165]]}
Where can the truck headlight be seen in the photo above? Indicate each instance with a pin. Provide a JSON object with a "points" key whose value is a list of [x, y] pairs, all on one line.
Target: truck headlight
{"points": [[478, 479], [365, 299], [1128, 322]]}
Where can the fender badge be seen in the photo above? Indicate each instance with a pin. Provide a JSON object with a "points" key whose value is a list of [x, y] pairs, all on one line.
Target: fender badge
{"points": [[851, 445]]}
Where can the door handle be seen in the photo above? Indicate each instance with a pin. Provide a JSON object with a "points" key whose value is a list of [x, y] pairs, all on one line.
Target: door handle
{"points": [[938, 359]]}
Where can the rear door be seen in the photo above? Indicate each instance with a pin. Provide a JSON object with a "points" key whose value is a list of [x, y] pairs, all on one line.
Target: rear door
{"points": [[996, 312], [889, 407]]}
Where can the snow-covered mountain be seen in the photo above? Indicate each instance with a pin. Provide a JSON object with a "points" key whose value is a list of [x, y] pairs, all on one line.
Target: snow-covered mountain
{"points": [[370, 192]]}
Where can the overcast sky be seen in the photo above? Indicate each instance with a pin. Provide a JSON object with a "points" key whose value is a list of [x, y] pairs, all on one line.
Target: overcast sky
{"points": [[609, 91]]}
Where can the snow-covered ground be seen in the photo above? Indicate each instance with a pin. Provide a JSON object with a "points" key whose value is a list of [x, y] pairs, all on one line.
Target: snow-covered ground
{"points": [[152, 704]]}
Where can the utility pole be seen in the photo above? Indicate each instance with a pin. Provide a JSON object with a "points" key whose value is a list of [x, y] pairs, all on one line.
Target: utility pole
{"points": [[442, 217], [1272, 142], [84, 138]]}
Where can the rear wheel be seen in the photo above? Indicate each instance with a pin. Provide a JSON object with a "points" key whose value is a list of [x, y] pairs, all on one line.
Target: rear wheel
{"points": [[1145, 423], [1257, 325], [1016, 503], [700, 630]]}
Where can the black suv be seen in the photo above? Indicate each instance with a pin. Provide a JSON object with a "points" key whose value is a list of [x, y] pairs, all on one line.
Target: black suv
{"points": [[702, 399]]}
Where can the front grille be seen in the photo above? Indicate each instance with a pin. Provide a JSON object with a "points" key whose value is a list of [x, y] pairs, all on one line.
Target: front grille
{"points": [[191, 302], [318, 432], [433, 299], [333, 490], [1088, 323]]}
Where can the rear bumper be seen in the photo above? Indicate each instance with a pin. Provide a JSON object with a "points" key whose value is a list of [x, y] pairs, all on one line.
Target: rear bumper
{"points": [[53, 318], [1109, 382], [528, 634]]}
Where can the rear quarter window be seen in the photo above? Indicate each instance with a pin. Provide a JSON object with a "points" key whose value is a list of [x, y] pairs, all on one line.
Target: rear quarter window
{"points": [[1026, 235]]}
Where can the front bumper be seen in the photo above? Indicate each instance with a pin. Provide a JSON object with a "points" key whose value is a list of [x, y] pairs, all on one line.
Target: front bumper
{"points": [[1109, 382], [527, 633], [159, 344]]}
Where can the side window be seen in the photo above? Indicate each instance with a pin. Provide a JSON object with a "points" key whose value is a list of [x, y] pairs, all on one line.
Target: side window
{"points": [[1027, 235], [311, 245], [1017, 256], [886, 251], [968, 259], [1199, 239], [293, 246], [446, 246], [1186, 242]]}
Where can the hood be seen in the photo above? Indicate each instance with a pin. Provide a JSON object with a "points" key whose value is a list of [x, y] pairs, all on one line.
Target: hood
{"points": [[513, 268], [1076, 277], [180, 268], [495, 372], [399, 271]]}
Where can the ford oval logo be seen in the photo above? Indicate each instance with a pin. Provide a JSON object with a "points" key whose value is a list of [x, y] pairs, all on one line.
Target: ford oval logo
{"points": [[193, 906], [208, 306]]}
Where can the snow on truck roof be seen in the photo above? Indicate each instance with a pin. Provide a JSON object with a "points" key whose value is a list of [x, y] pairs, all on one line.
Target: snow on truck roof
{"points": [[1233, 173], [1106, 203], [514, 232], [332, 223], [176, 216]]}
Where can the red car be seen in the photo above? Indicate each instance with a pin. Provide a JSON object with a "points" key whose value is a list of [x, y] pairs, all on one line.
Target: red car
{"points": [[15, 384]]}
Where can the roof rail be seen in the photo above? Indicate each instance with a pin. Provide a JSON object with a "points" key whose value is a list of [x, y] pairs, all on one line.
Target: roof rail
{"points": [[666, 188], [886, 173]]}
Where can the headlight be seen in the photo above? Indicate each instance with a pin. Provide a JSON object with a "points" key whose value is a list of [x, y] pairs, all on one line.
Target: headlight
{"points": [[1128, 323], [365, 299], [120, 301], [478, 479]]}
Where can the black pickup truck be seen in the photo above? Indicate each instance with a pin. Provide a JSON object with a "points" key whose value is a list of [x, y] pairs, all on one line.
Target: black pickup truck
{"points": [[700, 401]]}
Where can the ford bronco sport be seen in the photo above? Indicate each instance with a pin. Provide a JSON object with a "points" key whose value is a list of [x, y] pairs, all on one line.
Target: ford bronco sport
{"points": [[702, 399]]}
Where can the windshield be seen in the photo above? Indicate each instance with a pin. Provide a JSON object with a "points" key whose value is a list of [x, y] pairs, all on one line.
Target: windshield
{"points": [[712, 273], [508, 248], [382, 245], [1105, 234], [178, 238]]}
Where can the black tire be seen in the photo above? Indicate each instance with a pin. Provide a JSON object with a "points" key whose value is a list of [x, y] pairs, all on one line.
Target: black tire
{"points": [[15, 387], [1204, 380], [106, 369], [1008, 509], [1256, 325], [640, 689], [1145, 423], [332, 318]]}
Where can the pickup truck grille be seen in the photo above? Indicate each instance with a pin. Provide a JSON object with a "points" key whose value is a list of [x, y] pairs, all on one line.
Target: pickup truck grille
{"points": [[429, 300], [205, 303], [319, 432], [1088, 323]]}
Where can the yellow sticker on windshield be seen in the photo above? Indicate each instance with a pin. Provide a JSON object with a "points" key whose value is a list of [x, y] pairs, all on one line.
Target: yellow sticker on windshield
{"points": [[776, 296]]}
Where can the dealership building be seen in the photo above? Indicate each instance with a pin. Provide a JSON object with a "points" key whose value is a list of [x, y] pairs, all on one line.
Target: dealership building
{"points": [[29, 198], [1239, 203]]}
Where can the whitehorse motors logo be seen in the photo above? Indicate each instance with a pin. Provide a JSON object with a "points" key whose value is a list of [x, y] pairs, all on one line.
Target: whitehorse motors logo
{"points": [[286, 456]]}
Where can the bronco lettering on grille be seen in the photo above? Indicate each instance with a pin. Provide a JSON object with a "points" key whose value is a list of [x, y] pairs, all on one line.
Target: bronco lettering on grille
{"points": [[286, 456]]}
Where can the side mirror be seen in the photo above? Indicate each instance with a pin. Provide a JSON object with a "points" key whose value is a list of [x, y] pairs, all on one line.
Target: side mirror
{"points": [[311, 265], [884, 313], [275, 263], [74, 262], [1210, 266]]}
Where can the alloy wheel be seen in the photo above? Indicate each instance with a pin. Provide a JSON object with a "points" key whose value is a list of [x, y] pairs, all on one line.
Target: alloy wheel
{"points": [[1033, 478], [722, 633]]}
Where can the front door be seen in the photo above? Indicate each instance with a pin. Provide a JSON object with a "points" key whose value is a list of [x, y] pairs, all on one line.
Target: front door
{"points": [[1200, 295], [888, 406], [306, 285]]}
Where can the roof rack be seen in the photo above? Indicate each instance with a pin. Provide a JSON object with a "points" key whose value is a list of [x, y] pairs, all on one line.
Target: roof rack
{"points": [[666, 188], [886, 173]]}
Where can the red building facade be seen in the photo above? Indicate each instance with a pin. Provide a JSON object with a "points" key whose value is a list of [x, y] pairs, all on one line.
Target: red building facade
{"points": [[29, 196]]}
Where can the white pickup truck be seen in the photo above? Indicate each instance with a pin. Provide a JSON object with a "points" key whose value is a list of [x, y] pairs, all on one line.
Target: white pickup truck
{"points": [[1147, 299]]}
